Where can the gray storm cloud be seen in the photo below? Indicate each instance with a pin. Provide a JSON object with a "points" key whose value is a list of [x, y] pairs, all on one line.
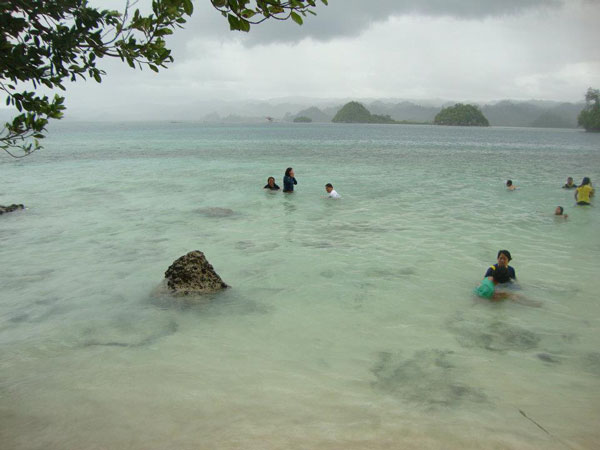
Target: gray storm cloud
{"points": [[388, 49], [347, 18]]}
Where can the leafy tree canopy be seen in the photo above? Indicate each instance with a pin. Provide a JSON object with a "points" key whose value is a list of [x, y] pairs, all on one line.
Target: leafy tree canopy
{"points": [[44, 43], [354, 112], [589, 117], [461, 115]]}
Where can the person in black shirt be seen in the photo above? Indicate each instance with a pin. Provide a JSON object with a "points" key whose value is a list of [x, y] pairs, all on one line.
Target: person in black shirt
{"points": [[504, 258], [570, 184], [271, 184]]}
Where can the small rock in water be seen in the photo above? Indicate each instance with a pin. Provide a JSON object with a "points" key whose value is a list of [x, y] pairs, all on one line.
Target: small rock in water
{"points": [[11, 208], [193, 274]]}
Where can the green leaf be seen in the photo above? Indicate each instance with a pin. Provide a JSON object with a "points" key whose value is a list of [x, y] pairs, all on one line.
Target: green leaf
{"points": [[188, 7], [296, 18], [234, 23]]}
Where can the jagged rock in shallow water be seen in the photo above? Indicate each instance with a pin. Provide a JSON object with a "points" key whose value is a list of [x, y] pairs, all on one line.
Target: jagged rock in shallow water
{"points": [[193, 274], [7, 209]]}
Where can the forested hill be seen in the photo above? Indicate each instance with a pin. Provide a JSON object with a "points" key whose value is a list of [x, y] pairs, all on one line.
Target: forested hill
{"points": [[506, 113]]}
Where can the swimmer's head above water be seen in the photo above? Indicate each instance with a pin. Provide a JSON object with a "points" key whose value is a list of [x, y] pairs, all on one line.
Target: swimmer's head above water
{"points": [[559, 212], [503, 257]]}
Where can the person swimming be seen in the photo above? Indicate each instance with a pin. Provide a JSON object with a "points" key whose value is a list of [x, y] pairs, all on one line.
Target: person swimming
{"points": [[331, 191], [584, 192], [271, 184], [487, 287], [569, 184], [503, 259], [510, 186], [289, 180], [559, 212]]}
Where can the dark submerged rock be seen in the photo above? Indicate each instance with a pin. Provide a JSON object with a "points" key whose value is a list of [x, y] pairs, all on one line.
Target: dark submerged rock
{"points": [[546, 357], [429, 378], [11, 208], [193, 274], [215, 212]]}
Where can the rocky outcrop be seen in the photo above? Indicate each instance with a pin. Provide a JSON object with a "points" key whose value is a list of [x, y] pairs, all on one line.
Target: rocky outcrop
{"points": [[7, 209], [193, 274]]}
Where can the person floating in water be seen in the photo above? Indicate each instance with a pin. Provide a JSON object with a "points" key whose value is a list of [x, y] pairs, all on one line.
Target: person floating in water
{"points": [[332, 193], [503, 258], [559, 212], [289, 180], [487, 287], [584, 192], [510, 186], [569, 184], [271, 184]]}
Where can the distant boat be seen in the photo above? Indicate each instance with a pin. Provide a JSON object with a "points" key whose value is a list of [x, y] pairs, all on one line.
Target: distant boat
{"points": [[270, 119]]}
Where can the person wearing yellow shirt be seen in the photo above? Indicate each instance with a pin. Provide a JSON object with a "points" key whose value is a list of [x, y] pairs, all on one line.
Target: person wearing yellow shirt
{"points": [[584, 192]]}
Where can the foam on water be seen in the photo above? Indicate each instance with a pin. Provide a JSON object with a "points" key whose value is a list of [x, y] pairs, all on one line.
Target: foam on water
{"points": [[349, 324]]}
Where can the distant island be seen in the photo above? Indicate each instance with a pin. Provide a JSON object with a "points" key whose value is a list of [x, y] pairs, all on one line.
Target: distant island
{"points": [[354, 112], [505, 113], [461, 115], [302, 119]]}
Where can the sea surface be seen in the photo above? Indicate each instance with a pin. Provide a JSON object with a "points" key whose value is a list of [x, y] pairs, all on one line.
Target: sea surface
{"points": [[349, 324]]}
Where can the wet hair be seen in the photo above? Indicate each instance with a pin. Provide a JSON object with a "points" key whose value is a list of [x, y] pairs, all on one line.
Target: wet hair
{"points": [[271, 178], [500, 275], [570, 178], [505, 253], [287, 171], [509, 182], [561, 209], [329, 185], [586, 180]]}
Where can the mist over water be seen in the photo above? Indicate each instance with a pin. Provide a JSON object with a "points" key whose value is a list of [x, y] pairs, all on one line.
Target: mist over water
{"points": [[349, 323]]}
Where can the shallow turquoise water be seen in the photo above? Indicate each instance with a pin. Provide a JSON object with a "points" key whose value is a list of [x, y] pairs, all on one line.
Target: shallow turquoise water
{"points": [[349, 324]]}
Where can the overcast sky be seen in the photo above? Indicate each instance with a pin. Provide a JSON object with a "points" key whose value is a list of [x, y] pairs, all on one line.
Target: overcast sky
{"points": [[458, 50]]}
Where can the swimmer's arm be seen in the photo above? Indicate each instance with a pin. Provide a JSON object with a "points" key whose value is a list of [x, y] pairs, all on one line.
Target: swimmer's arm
{"points": [[501, 295]]}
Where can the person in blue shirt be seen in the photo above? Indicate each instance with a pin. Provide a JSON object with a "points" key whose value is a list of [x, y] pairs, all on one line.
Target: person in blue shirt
{"points": [[503, 260], [289, 180]]}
